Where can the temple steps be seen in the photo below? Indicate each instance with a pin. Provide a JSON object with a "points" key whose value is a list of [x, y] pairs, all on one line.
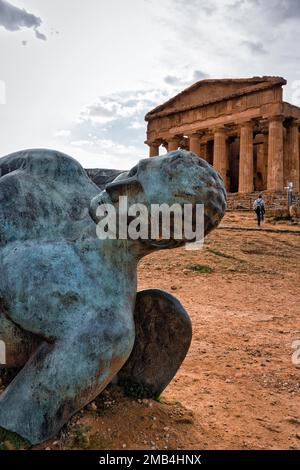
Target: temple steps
{"points": [[273, 200]]}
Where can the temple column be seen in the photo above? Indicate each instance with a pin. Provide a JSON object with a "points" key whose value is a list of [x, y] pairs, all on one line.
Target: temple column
{"points": [[220, 153], [292, 155], [266, 150], [173, 144], [195, 144], [286, 154], [275, 154], [246, 158], [153, 149]]}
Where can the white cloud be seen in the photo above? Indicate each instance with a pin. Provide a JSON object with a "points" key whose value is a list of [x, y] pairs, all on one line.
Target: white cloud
{"points": [[82, 143], [181, 82], [137, 125], [62, 133], [234, 38], [113, 128]]}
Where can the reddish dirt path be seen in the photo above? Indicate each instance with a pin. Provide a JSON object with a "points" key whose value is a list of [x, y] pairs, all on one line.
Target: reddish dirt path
{"points": [[238, 378]]}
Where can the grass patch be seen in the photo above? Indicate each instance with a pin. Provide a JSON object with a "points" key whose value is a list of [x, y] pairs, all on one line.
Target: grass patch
{"points": [[200, 268], [160, 399], [10, 440], [80, 438]]}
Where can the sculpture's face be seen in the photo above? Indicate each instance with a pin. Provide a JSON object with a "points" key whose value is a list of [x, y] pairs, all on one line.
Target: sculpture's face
{"points": [[178, 177]]}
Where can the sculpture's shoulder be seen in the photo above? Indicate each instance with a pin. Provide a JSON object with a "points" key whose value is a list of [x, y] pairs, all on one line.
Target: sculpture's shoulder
{"points": [[44, 194]]}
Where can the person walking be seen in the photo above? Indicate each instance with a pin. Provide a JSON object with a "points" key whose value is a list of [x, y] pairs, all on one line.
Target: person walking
{"points": [[259, 209]]}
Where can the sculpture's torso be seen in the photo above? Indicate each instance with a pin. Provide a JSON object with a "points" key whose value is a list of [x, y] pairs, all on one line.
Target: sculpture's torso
{"points": [[54, 270], [67, 298], [63, 277]]}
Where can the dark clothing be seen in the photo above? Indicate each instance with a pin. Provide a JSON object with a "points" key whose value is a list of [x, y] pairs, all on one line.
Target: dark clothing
{"points": [[259, 208], [259, 214]]}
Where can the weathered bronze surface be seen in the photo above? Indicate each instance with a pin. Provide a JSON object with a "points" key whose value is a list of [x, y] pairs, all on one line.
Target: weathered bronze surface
{"points": [[67, 299]]}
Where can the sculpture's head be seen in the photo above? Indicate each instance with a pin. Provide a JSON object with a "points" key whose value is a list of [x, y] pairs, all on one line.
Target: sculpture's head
{"points": [[179, 177]]}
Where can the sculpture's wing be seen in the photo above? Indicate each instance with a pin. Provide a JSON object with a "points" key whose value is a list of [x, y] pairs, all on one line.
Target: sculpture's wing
{"points": [[163, 337]]}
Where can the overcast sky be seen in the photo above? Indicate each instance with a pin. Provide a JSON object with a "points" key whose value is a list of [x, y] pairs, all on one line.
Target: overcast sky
{"points": [[79, 75]]}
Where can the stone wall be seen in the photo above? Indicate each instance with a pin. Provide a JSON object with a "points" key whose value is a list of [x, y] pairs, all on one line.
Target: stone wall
{"points": [[273, 200]]}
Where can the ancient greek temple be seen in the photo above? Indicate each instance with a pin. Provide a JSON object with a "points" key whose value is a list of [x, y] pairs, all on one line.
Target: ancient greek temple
{"points": [[240, 126]]}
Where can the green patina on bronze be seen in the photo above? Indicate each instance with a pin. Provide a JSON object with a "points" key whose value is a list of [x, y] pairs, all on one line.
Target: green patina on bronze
{"points": [[68, 300]]}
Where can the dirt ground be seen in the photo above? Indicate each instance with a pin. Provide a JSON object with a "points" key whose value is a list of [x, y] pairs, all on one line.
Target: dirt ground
{"points": [[238, 378], [238, 387]]}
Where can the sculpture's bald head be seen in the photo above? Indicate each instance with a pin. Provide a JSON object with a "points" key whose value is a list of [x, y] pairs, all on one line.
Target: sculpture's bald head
{"points": [[179, 177]]}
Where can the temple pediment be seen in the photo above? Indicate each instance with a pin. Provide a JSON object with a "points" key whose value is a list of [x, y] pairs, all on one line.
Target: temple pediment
{"points": [[211, 90], [240, 126]]}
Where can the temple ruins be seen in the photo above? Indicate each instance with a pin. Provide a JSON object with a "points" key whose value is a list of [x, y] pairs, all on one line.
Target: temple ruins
{"points": [[241, 126]]}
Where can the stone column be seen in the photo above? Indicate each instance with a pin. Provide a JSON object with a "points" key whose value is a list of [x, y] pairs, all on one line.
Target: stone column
{"points": [[220, 153], [286, 154], [292, 155], [266, 151], [153, 149], [195, 144], [275, 154], [173, 144], [246, 158]]}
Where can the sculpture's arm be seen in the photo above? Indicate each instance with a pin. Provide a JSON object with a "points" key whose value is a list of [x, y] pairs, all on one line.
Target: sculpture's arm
{"points": [[163, 337], [63, 376]]}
